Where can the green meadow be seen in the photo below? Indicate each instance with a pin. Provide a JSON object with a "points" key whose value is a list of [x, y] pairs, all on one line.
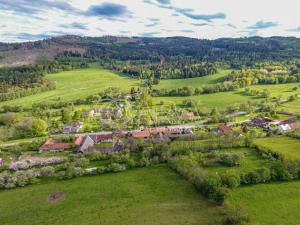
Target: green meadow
{"points": [[288, 148], [153, 195], [78, 84], [269, 204]]}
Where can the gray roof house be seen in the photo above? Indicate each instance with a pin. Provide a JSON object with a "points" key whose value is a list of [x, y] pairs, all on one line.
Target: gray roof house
{"points": [[88, 142]]}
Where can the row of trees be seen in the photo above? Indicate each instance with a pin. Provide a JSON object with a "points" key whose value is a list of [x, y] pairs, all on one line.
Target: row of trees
{"points": [[184, 68]]}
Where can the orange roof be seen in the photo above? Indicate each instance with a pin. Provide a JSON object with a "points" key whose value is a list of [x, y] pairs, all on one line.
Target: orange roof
{"points": [[141, 134], [224, 127], [56, 146], [102, 137], [159, 130], [79, 140]]}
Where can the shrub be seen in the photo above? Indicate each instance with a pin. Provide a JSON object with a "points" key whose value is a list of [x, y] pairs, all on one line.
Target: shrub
{"points": [[236, 216], [210, 185], [220, 195], [279, 172], [231, 159], [231, 180], [115, 167], [47, 171]]}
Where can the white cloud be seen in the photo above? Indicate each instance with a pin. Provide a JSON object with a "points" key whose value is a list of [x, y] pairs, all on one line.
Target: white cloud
{"points": [[225, 18]]}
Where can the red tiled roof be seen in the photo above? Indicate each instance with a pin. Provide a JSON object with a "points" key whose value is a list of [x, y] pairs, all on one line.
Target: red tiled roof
{"points": [[56, 146], [141, 134], [102, 137], [224, 127], [159, 130], [79, 140], [50, 144]]}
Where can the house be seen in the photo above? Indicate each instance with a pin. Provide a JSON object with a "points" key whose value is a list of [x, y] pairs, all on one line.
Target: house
{"points": [[283, 128], [86, 144], [78, 141], [52, 145], [141, 134], [295, 126], [285, 122], [104, 138], [100, 112], [72, 128], [258, 122], [1, 161], [223, 128]]}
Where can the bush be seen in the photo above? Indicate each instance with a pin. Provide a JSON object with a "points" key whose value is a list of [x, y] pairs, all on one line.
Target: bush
{"points": [[230, 159], [47, 171], [279, 172], [236, 216], [115, 167], [210, 185], [220, 195], [231, 180], [101, 170]]}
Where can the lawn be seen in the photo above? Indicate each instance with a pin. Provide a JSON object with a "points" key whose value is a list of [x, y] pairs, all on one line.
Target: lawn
{"points": [[288, 148], [269, 204], [148, 196]]}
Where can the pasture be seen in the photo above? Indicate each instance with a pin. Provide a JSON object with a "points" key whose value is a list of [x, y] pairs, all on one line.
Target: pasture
{"points": [[251, 160], [77, 84], [268, 204], [153, 195], [288, 148]]}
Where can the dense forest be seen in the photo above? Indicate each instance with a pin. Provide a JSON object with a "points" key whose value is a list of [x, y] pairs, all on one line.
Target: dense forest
{"points": [[236, 51]]}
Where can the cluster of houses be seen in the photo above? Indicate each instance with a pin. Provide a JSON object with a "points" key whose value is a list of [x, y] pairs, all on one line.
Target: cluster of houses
{"points": [[72, 128], [269, 124], [93, 142]]}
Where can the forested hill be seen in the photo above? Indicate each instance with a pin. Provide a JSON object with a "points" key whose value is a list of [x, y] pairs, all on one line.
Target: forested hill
{"points": [[241, 50]]}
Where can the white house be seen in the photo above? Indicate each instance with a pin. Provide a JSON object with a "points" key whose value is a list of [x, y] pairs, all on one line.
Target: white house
{"points": [[284, 128]]}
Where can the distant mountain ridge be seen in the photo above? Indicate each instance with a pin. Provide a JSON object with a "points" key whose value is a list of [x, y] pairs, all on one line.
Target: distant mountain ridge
{"points": [[154, 49]]}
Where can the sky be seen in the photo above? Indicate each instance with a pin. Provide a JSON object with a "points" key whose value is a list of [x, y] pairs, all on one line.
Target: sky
{"points": [[28, 20]]}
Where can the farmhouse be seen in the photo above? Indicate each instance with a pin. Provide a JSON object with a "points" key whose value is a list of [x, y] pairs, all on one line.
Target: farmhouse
{"points": [[258, 122], [72, 128], [104, 138], [288, 127], [222, 128], [52, 145], [86, 144], [141, 134], [78, 141], [100, 112]]}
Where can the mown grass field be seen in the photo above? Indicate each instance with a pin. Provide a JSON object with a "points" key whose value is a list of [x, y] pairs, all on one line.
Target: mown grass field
{"points": [[283, 90], [293, 107], [147, 196], [269, 204], [288, 147]]}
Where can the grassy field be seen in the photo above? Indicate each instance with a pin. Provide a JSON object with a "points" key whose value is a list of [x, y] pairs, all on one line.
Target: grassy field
{"points": [[288, 147], [293, 107], [72, 85], [252, 160], [284, 90], [146, 196], [219, 100], [269, 204], [193, 82]]}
